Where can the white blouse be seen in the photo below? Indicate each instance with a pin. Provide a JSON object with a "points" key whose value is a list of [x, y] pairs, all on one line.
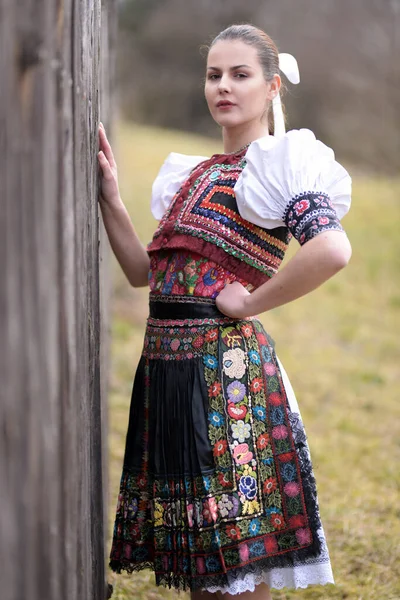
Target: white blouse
{"points": [[276, 171]]}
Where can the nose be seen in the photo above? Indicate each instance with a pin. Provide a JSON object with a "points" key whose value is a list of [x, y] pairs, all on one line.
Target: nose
{"points": [[223, 84]]}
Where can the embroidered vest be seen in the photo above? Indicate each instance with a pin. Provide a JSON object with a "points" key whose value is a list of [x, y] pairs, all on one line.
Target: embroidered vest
{"points": [[203, 217]]}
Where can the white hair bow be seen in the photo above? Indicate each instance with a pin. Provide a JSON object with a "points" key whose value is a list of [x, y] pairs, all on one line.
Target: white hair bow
{"points": [[289, 67]]}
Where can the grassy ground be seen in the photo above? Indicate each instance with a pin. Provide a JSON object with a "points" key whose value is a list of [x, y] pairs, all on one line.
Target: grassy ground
{"points": [[340, 347]]}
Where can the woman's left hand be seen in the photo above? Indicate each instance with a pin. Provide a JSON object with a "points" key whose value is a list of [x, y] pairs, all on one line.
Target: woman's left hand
{"points": [[231, 301]]}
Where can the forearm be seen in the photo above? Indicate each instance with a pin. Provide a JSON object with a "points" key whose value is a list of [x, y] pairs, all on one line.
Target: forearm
{"points": [[315, 262], [128, 249]]}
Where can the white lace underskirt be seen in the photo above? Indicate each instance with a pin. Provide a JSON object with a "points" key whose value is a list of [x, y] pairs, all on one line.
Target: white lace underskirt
{"points": [[312, 571]]}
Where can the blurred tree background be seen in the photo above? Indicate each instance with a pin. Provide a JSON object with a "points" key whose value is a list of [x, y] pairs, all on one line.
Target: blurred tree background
{"points": [[348, 54]]}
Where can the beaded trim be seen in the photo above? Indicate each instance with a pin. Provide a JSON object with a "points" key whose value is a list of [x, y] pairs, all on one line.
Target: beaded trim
{"points": [[154, 297], [151, 321]]}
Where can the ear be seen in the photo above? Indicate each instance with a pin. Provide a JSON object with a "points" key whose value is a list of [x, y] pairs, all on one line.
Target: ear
{"points": [[274, 85]]}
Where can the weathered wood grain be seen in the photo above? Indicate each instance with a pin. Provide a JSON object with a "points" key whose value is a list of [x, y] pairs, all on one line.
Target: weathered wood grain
{"points": [[55, 63]]}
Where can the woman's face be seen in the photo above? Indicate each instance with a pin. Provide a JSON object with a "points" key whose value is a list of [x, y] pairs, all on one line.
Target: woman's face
{"points": [[235, 88]]}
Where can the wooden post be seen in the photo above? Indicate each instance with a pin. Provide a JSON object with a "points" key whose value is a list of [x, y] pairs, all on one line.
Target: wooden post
{"points": [[55, 60]]}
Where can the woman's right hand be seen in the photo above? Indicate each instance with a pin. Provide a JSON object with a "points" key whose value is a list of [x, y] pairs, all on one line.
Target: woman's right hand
{"points": [[128, 249], [109, 191]]}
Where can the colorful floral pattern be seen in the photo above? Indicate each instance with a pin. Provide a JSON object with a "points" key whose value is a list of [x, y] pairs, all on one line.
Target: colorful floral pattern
{"points": [[183, 273], [309, 214], [251, 507]]}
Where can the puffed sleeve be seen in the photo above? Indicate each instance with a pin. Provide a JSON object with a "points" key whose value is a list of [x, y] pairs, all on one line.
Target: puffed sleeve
{"points": [[293, 181], [172, 174]]}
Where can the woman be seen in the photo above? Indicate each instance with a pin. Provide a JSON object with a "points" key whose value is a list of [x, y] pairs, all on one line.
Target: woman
{"points": [[217, 492]]}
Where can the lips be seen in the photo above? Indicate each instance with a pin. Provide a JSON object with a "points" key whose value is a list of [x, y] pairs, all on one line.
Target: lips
{"points": [[224, 103]]}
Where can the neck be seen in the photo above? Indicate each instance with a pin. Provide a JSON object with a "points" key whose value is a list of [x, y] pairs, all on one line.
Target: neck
{"points": [[235, 138]]}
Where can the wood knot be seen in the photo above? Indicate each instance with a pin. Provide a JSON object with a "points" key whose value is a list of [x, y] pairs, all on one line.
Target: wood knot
{"points": [[29, 50]]}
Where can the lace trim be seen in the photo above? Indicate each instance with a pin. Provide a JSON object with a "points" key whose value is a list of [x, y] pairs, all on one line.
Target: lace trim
{"points": [[295, 578]]}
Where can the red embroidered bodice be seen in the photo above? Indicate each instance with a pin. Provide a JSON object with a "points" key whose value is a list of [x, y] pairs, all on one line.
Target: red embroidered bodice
{"points": [[186, 273], [203, 218]]}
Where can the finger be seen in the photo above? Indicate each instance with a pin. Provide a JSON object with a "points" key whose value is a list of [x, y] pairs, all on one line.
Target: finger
{"points": [[106, 147], [105, 165], [102, 159]]}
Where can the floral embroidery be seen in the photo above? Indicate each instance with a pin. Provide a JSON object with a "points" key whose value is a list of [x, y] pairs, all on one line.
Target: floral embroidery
{"points": [[301, 206], [256, 384], [216, 419], [215, 389], [297, 521], [224, 479], [292, 489], [242, 455], [241, 431], [303, 536], [220, 447], [254, 527], [254, 357], [237, 412], [269, 485], [233, 363], [210, 510], [277, 521], [225, 505], [309, 214], [251, 506], [236, 391], [211, 335], [233, 532], [247, 330], [182, 273], [259, 412], [263, 441], [248, 487], [275, 399], [280, 432], [210, 361]]}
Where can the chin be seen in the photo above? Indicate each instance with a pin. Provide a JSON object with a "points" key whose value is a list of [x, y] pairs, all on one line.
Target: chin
{"points": [[225, 121]]}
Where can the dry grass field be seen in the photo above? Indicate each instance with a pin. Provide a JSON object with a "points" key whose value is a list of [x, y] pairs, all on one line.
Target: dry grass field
{"points": [[340, 347]]}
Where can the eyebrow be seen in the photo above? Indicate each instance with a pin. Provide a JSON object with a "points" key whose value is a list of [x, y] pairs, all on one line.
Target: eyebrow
{"points": [[232, 68]]}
